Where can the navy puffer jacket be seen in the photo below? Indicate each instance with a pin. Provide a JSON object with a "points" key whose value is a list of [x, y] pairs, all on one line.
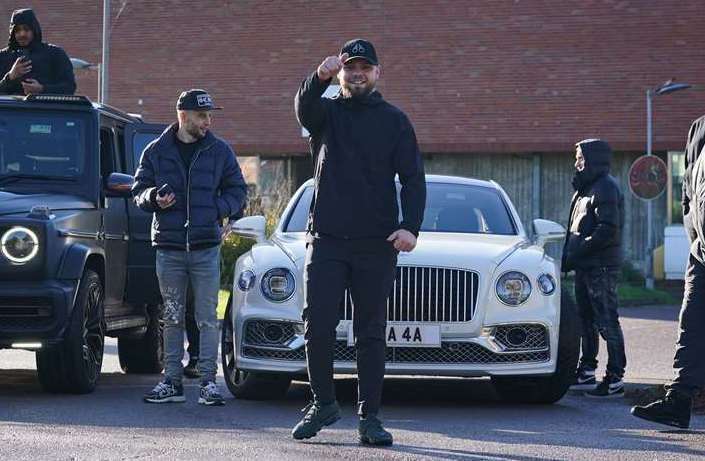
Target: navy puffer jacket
{"points": [[211, 189]]}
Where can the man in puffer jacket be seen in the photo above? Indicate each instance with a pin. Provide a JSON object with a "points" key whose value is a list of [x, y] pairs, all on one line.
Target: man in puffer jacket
{"points": [[191, 181], [593, 249]]}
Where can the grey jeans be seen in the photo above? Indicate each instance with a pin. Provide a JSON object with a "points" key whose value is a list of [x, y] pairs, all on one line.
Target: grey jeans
{"points": [[174, 270]]}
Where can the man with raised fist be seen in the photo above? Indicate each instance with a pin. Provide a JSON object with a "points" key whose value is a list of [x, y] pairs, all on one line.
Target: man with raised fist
{"points": [[359, 142]]}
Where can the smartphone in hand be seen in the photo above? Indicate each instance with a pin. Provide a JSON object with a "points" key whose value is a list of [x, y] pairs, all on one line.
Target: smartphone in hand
{"points": [[165, 190]]}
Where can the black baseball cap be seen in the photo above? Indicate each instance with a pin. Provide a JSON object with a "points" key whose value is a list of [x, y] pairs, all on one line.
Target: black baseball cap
{"points": [[359, 48], [195, 99]]}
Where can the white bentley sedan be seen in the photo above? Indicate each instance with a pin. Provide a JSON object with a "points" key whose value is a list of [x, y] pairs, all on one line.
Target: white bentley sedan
{"points": [[477, 297]]}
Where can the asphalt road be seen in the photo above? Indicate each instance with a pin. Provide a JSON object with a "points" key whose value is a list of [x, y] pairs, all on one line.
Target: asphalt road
{"points": [[454, 419]]}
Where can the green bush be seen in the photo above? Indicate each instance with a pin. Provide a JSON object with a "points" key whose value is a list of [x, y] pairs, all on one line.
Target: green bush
{"points": [[631, 275], [233, 247], [271, 207]]}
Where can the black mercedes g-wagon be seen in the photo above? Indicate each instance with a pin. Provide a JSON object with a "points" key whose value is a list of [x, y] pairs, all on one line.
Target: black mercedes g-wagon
{"points": [[76, 263]]}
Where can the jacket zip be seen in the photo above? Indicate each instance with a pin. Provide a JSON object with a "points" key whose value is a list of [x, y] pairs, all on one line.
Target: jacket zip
{"points": [[188, 194]]}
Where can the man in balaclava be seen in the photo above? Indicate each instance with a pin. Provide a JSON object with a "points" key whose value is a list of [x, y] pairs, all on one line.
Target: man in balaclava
{"points": [[29, 66], [593, 249]]}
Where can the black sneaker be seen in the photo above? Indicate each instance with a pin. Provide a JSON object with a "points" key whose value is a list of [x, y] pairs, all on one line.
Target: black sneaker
{"points": [[191, 369], [610, 387], [209, 395], [584, 380], [673, 410], [165, 392], [316, 418], [372, 432]]}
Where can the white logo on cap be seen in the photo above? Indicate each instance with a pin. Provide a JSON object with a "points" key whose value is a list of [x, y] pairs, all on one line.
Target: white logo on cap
{"points": [[358, 49], [203, 100]]}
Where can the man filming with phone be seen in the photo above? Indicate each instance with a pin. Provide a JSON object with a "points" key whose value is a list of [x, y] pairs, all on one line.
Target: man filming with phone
{"points": [[29, 66], [191, 181]]}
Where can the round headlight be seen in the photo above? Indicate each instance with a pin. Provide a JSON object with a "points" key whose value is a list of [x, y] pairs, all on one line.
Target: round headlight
{"points": [[513, 288], [246, 280], [547, 284], [278, 284], [19, 244]]}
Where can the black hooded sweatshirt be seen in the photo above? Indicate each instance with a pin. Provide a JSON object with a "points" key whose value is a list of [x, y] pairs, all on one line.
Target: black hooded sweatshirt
{"points": [[50, 64], [594, 236], [359, 145]]}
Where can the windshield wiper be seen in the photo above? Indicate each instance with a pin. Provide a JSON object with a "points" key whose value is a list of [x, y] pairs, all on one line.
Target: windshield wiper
{"points": [[10, 178]]}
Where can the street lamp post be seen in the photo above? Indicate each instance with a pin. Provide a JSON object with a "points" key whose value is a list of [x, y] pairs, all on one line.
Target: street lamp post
{"points": [[106, 53], [666, 88]]}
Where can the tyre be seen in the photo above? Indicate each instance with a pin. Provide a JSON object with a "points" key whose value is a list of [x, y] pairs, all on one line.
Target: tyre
{"points": [[244, 384], [74, 365], [548, 389], [144, 354]]}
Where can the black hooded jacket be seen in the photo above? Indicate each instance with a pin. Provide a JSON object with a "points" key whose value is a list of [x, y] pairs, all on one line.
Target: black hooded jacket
{"points": [[359, 145], [50, 64], [594, 236]]}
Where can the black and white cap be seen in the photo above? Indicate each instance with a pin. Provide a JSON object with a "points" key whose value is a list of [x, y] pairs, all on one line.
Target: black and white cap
{"points": [[195, 99]]}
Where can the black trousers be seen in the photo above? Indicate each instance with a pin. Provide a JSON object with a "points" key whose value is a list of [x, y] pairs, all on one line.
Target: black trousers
{"points": [[192, 333], [596, 295], [368, 268], [689, 361]]}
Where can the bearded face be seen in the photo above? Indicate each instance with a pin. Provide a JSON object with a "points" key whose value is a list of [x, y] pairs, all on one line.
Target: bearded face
{"points": [[358, 78]]}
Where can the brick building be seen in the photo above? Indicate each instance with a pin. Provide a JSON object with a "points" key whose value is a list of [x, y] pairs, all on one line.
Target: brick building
{"points": [[495, 89]]}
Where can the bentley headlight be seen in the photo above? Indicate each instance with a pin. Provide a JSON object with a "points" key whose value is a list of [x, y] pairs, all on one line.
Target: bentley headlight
{"points": [[547, 284], [278, 284], [246, 280], [513, 288], [19, 244]]}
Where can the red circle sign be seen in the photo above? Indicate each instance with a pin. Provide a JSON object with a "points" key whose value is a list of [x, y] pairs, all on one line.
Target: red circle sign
{"points": [[648, 177]]}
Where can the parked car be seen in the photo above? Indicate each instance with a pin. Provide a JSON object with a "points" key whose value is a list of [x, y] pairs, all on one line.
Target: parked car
{"points": [[477, 297], [76, 263]]}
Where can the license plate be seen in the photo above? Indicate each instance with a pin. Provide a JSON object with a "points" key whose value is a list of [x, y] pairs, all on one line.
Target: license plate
{"points": [[407, 335]]}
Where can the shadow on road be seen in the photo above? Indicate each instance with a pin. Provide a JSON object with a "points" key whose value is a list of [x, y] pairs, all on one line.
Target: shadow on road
{"points": [[463, 409]]}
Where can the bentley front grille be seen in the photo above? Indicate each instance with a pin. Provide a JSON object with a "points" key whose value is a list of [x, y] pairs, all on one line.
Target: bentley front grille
{"points": [[449, 353], [427, 294]]}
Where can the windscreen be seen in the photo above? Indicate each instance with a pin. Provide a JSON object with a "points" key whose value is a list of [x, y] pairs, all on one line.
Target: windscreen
{"points": [[458, 208], [42, 144]]}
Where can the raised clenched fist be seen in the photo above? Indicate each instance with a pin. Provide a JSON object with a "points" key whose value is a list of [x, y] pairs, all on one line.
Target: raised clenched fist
{"points": [[330, 66]]}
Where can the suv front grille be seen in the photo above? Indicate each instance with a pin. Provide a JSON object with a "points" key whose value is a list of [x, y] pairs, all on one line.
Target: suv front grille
{"points": [[20, 313]]}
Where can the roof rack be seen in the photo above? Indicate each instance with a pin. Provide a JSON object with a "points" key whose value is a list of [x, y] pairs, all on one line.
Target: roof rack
{"points": [[59, 98]]}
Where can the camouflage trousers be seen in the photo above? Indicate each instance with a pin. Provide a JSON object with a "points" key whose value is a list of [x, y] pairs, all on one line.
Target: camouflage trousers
{"points": [[596, 295]]}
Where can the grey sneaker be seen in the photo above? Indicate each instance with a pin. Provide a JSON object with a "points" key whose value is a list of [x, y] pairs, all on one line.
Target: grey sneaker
{"points": [[372, 432], [209, 395], [316, 418], [165, 392]]}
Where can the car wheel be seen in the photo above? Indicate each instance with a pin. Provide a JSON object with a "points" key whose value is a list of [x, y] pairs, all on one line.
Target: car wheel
{"points": [[144, 354], [74, 366], [243, 384], [550, 389]]}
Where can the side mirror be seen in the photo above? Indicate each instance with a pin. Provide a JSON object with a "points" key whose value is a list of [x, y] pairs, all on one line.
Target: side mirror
{"points": [[118, 185], [252, 227], [546, 231]]}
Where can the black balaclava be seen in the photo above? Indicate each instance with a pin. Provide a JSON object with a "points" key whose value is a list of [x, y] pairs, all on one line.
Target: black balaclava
{"points": [[24, 17], [598, 156]]}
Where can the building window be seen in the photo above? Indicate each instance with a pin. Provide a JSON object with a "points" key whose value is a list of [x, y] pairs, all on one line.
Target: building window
{"points": [[676, 171]]}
